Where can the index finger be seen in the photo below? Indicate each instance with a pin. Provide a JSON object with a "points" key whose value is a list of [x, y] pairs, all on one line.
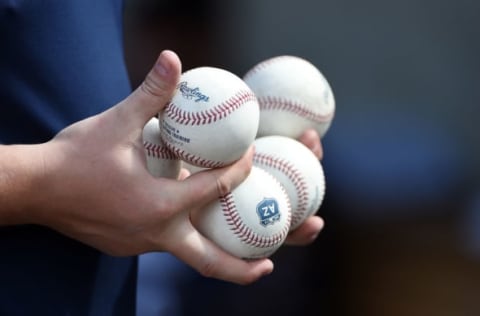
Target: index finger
{"points": [[213, 262], [207, 185]]}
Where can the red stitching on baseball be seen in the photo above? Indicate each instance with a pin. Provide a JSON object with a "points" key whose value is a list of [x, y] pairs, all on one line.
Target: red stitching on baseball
{"points": [[158, 151], [276, 103], [195, 160], [294, 176], [208, 116], [245, 234]]}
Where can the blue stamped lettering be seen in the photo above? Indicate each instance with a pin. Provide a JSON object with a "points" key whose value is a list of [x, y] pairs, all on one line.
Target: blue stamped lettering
{"points": [[268, 211], [192, 93]]}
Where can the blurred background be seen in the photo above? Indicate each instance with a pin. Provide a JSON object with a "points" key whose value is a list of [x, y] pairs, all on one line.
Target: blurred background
{"points": [[401, 159]]}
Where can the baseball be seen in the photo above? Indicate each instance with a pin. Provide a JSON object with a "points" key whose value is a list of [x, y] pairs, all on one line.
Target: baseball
{"points": [[192, 168], [161, 162], [212, 118], [297, 169], [293, 95], [250, 222]]}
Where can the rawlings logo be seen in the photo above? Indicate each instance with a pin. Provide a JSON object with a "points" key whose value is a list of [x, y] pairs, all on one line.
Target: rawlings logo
{"points": [[191, 93], [268, 212]]}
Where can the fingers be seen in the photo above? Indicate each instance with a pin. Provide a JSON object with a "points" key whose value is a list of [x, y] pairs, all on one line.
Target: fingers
{"points": [[207, 185], [155, 91], [311, 227], [211, 261], [188, 245], [306, 233], [311, 139]]}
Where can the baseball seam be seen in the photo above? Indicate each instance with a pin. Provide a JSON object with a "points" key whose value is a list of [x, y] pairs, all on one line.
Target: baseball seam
{"points": [[158, 151], [211, 115], [243, 232], [269, 103], [295, 178], [193, 159]]}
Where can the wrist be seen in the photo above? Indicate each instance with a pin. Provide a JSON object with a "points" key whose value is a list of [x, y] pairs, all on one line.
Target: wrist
{"points": [[22, 175]]}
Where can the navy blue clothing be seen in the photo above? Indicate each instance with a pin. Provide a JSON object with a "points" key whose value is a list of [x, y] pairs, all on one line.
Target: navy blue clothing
{"points": [[60, 62]]}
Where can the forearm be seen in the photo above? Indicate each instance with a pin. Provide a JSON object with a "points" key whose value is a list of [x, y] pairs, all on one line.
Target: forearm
{"points": [[21, 168]]}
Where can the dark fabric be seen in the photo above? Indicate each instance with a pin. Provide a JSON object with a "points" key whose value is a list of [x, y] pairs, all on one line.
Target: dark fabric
{"points": [[60, 61]]}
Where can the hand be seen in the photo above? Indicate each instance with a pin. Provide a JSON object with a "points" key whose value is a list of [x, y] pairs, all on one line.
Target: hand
{"points": [[308, 231], [96, 188]]}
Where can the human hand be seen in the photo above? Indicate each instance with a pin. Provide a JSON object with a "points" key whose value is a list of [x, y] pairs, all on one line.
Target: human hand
{"points": [[95, 187], [308, 231]]}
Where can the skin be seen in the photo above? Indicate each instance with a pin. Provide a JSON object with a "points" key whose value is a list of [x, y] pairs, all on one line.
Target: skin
{"points": [[91, 183]]}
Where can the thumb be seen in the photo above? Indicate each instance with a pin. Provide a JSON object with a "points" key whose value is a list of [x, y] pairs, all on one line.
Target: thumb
{"points": [[155, 91]]}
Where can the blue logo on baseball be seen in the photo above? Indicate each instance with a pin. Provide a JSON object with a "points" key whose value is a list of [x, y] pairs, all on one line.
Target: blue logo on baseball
{"points": [[268, 211], [192, 93]]}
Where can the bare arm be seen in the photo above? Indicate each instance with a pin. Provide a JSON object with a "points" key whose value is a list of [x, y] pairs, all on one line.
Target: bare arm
{"points": [[90, 182], [21, 168]]}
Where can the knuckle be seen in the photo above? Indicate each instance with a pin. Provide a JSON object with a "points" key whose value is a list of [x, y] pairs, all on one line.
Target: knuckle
{"points": [[149, 87], [154, 85], [165, 208], [223, 187], [208, 269]]}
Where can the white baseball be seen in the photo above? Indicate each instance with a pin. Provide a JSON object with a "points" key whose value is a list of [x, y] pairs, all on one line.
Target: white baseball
{"points": [[212, 118], [293, 95], [252, 221], [297, 169], [192, 168], [161, 162]]}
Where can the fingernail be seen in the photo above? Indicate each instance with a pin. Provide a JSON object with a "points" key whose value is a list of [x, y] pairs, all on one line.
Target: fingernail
{"points": [[268, 271], [313, 236], [163, 66]]}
